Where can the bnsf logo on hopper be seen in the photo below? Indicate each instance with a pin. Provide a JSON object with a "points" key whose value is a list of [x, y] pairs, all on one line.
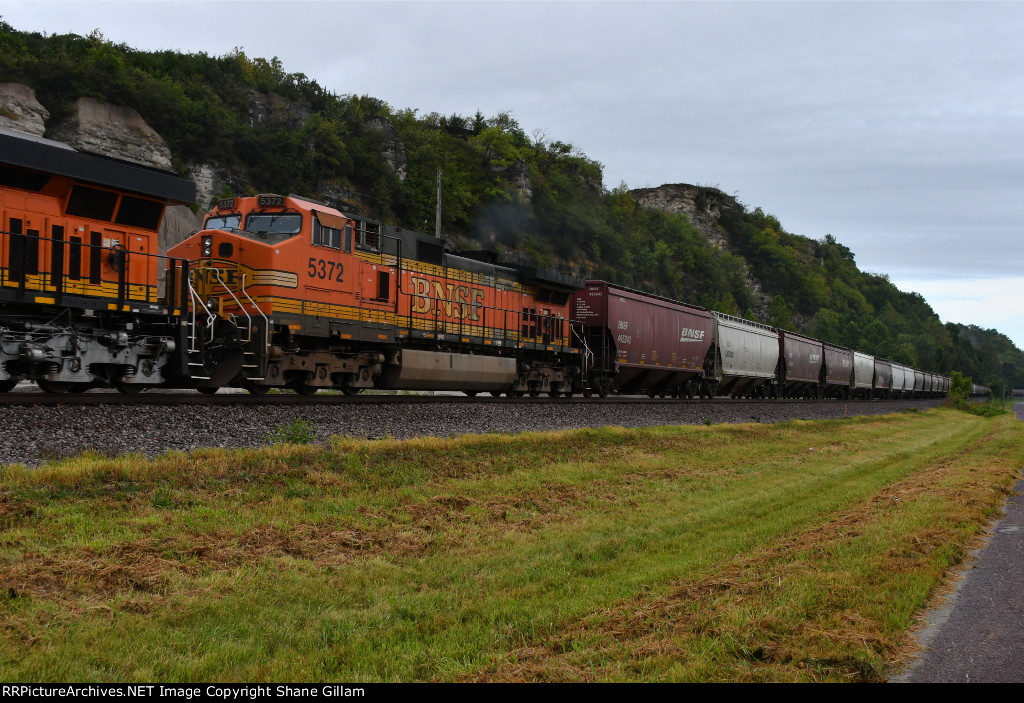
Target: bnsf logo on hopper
{"points": [[689, 335]]}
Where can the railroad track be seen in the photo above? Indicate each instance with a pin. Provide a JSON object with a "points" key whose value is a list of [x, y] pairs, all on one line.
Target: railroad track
{"points": [[29, 397]]}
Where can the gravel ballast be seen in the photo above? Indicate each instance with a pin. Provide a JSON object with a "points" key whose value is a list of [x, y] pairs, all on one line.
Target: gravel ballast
{"points": [[35, 434]]}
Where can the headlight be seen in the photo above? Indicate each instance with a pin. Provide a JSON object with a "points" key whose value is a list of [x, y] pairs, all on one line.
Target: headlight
{"points": [[208, 246], [213, 304]]}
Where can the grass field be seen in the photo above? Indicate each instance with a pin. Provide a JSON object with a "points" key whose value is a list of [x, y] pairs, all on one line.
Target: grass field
{"points": [[802, 551]]}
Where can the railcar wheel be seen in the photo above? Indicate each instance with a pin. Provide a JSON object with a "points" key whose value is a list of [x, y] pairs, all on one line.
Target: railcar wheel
{"points": [[257, 389], [588, 392], [207, 390], [517, 394], [534, 392], [305, 389], [567, 394], [7, 385], [495, 394], [471, 394]]}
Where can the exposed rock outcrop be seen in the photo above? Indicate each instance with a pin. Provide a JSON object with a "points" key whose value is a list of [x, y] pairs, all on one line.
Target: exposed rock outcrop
{"points": [[276, 112], [392, 148], [115, 131], [701, 205], [20, 110]]}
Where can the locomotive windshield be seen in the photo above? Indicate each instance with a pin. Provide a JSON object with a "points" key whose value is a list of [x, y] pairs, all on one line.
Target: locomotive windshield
{"points": [[274, 226], [224, 222]]}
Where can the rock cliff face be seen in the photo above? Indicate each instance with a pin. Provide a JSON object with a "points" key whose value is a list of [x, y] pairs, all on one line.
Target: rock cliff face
{"points": [[701, 205], [20, 110], [115, 131], [393, 150]]}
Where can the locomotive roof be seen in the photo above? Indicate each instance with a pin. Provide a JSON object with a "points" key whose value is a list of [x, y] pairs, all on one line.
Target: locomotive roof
{"points": [[47, 156]]}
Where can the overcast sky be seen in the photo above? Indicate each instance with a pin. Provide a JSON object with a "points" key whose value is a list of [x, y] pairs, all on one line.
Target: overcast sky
{"points": [[894, 126]]}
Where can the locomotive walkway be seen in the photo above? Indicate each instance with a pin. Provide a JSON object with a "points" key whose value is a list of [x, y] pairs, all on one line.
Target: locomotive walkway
{"points": [[979, 635]]}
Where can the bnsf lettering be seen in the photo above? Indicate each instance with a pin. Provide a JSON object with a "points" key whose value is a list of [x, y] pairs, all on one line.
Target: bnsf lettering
{"points": [[452, 300], [623, 324], [688, 334]]}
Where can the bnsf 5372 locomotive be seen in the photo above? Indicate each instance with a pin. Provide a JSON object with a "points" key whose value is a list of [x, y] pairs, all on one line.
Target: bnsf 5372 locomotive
{"points": [[313, 298]]}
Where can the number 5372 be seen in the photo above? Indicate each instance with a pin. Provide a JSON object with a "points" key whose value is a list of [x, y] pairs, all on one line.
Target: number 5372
{"points": [[329, 270]]}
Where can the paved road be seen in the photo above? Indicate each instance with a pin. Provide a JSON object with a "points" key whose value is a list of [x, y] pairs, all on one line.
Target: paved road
{"points": [[979, 635]]}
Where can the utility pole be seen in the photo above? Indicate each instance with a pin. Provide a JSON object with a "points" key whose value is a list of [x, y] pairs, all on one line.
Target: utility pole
{"points": [[437, 218]]}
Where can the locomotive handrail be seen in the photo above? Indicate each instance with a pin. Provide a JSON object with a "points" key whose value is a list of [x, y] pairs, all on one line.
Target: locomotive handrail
{"points": [[55, 267], [238, 302], [210, 317], [266, 320]]}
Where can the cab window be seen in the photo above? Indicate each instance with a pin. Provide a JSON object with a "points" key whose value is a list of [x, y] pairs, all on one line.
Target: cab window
{"points": [[224, 222]]}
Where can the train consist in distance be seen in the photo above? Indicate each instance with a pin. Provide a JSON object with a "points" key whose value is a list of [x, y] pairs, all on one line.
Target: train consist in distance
{"points": [[284, 292]]}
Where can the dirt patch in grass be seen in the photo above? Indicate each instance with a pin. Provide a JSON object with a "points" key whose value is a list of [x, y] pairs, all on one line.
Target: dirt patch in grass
{"points": [[147, 566]]}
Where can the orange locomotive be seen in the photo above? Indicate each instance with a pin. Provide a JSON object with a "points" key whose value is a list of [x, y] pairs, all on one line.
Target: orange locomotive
{"points": [[84, 298], [314, 298]]}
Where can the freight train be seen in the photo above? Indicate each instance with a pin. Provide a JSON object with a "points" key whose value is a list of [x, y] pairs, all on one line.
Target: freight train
{"points": [[282, 292]]}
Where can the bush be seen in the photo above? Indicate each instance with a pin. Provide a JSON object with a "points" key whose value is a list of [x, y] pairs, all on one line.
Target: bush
{"points": [[298, 432]]}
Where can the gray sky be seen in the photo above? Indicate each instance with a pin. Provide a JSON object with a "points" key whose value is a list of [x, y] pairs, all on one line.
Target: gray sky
{"points": [[894, 126]]}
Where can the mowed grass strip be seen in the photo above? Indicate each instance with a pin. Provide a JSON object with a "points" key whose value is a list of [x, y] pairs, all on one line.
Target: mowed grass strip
{"points": [[798, 551]]}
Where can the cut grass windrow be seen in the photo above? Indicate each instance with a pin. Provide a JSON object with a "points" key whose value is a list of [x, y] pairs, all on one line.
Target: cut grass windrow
{"points": [[792, 552]]}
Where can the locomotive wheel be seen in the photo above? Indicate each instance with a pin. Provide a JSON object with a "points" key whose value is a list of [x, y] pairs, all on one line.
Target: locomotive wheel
{"points": [[587, 392], [495, 394], [129, 388], [61, 387], [304, 389], [534, 393], [517, 394], [350, 390], [7, 385], [602, 389], [257, 389], [208, 390], [567, 394]]}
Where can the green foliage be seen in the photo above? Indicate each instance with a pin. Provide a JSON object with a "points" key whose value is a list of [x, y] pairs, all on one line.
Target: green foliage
{"points": [[298, 431], [959, 390]]}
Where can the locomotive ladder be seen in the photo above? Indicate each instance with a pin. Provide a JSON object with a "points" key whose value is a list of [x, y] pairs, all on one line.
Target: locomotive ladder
{"points": [[250, 360], [194, 354]]}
